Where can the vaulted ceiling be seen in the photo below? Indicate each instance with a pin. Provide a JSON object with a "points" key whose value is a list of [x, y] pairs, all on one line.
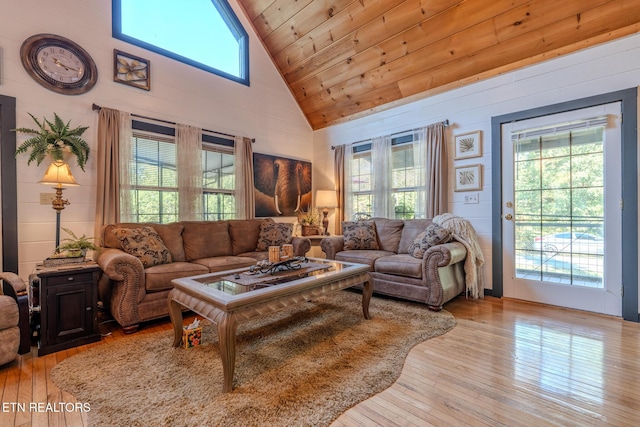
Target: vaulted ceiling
{"points": [[343, 59]]}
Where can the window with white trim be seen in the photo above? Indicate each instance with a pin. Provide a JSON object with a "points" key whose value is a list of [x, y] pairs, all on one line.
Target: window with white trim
{"points": [[154, 176], [218, 166], [154, 179], [403, 181], [362, 183]]}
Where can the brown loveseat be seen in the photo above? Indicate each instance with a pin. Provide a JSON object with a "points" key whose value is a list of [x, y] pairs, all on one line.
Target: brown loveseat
{"points": [[435, 278], [134, 294]]}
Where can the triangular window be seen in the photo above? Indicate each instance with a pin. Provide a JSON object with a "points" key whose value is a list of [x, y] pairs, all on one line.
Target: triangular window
{"points": [[203, 33]]}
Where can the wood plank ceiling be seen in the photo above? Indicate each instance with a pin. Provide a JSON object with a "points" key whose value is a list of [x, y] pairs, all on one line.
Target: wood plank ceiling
{"points": [[343, 59]]}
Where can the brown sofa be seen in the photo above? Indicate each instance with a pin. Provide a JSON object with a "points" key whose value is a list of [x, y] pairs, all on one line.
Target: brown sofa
{"points": [[434, 279], [135, 294]]}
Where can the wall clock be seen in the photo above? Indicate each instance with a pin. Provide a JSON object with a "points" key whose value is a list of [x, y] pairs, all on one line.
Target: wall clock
{"points": [[58, 64]]}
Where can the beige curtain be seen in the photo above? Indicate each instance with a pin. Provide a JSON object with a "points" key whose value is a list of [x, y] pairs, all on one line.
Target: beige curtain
{"points": [[126, 157], [436, 169], [421, 172], [189, 153], [381, 154], [113, 127], [339, 179], [244, 195]]}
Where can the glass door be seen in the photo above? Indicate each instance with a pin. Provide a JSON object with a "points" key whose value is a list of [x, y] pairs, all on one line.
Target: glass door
{"points": [[561, 218]]}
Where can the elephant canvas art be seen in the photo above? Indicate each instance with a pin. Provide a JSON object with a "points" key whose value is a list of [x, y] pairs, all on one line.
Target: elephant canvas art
{"points": [[282, 186]]}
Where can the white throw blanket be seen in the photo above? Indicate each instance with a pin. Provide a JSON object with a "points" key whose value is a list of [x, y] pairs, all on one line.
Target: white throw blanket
{"points": [[462, 231]]}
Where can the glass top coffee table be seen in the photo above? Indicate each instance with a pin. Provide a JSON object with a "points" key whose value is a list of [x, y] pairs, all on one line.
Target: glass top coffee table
{"points": [[228, 298]]}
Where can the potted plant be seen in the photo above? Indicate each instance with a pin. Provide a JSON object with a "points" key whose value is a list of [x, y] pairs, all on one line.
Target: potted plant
{"points": [[75, 246], [55, 139], [310, 222]]}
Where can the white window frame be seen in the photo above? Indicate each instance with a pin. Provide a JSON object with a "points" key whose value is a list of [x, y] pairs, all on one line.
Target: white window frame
{"points": [[363, 149], [167, 136]]}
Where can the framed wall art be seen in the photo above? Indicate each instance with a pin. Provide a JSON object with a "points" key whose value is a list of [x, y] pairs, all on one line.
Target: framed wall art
{"points": [[468, 178], [131, 70], [468, 145], [282, 186]]}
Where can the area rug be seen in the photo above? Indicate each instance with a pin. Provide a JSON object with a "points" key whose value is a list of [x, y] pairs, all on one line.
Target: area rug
{"points": [[303, 366]]}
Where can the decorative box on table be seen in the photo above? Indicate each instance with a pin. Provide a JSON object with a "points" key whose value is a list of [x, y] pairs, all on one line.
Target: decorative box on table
{"points": [[191, 337], [59, 261]]}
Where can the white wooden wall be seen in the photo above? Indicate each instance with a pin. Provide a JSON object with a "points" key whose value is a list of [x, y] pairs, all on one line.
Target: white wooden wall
{"points": [[179, 93], [601, 69]]}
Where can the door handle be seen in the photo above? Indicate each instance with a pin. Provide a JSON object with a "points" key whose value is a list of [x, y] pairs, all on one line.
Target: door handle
{"points": [[509, 217]]}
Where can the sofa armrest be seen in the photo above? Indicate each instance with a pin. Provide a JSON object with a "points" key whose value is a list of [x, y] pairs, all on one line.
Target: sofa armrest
{"points": [[116, 263], [17, 284], [446, 254], [301, 245], [442, 257], [16, 288], [122, 285], [331, 245]]}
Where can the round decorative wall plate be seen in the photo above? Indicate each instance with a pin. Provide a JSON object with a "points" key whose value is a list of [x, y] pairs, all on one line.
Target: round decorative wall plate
{"points": [[58, 64]]}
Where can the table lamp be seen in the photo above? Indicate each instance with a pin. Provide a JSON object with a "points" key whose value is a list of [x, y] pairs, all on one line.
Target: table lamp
{"points": [[58, 174], [326, 199]]}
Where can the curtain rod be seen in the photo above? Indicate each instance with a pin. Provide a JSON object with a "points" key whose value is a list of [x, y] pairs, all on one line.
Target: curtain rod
{"points": [[444, 122], [96, 107]]}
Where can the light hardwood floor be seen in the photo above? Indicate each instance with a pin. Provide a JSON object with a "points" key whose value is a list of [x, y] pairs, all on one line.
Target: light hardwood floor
{"points": [[506, 363]]}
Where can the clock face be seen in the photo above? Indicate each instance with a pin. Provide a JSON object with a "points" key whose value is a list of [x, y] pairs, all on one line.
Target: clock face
{"points": [[58, 64]]}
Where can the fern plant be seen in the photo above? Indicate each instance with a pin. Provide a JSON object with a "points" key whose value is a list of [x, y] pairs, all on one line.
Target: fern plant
{"points": [[55, 139], [76, 245]]}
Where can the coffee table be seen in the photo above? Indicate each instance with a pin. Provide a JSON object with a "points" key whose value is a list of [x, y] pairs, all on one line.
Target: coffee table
{"points": [[216, 297]]}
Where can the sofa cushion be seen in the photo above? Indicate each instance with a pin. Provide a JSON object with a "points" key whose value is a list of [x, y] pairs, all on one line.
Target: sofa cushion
{"points": [[256, 255], [145, 244], [359, 235], [159, 277], [431, 236], [363, 256], [399, 265], [205, 239], [244, 234], [274, 234], [171, 235], [411, 229], [222, 263], [389, 233]]}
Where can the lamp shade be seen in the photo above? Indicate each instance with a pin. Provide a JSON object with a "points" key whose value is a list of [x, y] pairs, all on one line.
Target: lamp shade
{"points": [[326, 199], [58, 173]]}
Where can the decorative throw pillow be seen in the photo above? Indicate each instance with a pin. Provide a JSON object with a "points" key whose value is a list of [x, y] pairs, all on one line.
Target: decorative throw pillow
{"points": [[145, 244], [359, 235], [431, 236], [274, 234]]}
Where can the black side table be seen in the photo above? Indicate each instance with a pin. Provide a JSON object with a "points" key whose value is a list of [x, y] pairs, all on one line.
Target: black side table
{"points": [[68, 297]]}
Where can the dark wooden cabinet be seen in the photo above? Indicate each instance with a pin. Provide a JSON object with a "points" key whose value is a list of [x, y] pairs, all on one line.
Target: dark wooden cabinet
{"points": [[68, 307]]}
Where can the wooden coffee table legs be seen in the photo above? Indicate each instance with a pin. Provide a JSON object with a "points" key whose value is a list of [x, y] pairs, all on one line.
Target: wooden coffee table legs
{"points": [[228, 325], [367, 291], [175, 312], [227, 337]]}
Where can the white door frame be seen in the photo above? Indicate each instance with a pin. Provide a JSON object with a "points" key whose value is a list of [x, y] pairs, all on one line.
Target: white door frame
{"points": [[605, 300], [629, 170]]}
